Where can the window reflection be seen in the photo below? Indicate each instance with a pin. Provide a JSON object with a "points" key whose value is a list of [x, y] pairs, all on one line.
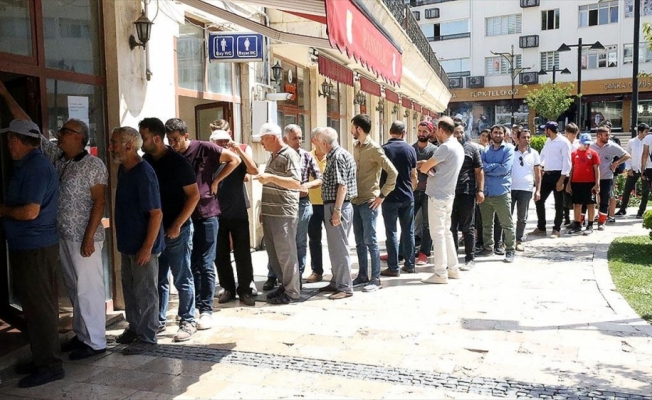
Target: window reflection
{"points": [[15, 28]]}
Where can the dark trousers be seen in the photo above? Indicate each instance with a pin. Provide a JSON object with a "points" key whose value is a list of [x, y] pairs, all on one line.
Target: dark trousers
{"points": [[314, 239], [549, 185], [238, 231], [630, 184], [521, 200], [420, 203], [645, 191], [606, 186], [34, 274], [204, 241], [463, 219]]}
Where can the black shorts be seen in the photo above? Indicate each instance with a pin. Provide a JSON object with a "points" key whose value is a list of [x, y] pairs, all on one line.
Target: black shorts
{"points": [[583, 193]]}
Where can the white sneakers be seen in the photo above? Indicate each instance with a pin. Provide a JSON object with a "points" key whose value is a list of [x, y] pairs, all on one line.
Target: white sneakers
{"points": [[443, 279], [205, 321]]}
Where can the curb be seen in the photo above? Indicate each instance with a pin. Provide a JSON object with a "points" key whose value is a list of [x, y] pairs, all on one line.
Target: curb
{"points": [[607, 289]]}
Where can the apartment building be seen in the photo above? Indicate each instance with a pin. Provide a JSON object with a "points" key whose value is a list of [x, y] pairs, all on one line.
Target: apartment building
{"points": [[465, 34]]}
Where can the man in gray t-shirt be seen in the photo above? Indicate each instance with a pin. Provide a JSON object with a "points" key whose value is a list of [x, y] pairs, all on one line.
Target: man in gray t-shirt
{"points": [[611, 156], [446, 163]]}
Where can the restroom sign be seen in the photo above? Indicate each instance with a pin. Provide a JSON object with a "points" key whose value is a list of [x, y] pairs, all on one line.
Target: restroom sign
{"points": [[235, 46]]}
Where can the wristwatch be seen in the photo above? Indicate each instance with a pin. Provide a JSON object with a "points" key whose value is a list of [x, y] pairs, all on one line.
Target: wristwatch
{"points": [[337, 210]]}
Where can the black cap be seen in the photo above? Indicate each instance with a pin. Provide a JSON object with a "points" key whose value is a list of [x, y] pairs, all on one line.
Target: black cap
{"points": [[643, 127], [552, 125]]}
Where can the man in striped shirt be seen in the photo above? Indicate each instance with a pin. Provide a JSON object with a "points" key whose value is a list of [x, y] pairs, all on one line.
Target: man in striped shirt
{"points": [[279, 209]]}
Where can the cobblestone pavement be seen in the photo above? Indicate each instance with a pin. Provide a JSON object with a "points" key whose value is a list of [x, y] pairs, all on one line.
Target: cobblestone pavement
{"points": [[550, 325]]}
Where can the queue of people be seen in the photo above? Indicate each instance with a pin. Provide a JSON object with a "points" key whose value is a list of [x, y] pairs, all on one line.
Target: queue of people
{"points": [[180, 209]]}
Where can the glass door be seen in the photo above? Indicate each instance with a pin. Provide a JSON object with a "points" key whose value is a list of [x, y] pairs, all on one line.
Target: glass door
{"points": [[207, 113]]}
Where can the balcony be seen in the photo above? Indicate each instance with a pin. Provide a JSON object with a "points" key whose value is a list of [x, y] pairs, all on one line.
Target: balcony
{"points": [[406, 19], [528, 41], [449, 37], [419, 3]]}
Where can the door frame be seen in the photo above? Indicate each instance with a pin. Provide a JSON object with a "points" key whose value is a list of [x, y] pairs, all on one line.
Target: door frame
{"points": [[227, 108]]}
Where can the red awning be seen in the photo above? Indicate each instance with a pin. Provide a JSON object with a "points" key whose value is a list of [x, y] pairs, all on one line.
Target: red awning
{"points": [[352, 33], [335, 71], [417, 107], [370, 87], [407, 103], [391, 96]]}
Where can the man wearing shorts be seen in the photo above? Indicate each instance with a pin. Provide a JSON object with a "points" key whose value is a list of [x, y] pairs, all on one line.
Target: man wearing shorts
{"points": [[584, 183]]}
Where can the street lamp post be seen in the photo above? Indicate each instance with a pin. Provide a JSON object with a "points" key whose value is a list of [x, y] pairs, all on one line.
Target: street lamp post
{"points": [[554, 71], [509, 57], [580, 46]]}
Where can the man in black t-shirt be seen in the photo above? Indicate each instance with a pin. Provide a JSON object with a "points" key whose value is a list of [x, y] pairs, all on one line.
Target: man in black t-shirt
{"points": [[468, 193], [179, 196], [234, 225]]}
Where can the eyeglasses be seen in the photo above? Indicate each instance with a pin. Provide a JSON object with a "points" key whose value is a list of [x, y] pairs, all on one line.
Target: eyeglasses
{"points": [[62, 131], [520, 159]]}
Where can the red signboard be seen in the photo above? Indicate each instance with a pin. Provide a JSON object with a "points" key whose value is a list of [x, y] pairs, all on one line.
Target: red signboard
{"points": [[351, 32], [391, 96], [335, 71], [370, 87], [407, 103], [417, 107]]}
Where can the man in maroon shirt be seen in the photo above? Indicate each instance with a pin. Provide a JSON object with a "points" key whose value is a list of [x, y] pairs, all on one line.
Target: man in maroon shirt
{"points": [[206, 159]]}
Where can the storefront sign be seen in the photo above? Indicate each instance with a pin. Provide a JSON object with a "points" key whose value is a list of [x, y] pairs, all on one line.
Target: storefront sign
{"points": [[370, 87], [235, 47], [494, 93], [350, 31], [626, 85], [335, 71]]}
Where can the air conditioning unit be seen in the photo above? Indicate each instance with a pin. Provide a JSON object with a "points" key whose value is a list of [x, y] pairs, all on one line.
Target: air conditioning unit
{"points": [[529, 3], [456, 83], [528, 78], [525, 42], [475, 82]]}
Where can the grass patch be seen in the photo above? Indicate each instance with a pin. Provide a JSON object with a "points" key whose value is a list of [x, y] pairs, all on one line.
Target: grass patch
{"points": [[630, 264]]}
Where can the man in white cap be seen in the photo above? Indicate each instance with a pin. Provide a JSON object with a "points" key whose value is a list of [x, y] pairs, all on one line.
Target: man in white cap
{"points": [[29, 216], [279, 210]]}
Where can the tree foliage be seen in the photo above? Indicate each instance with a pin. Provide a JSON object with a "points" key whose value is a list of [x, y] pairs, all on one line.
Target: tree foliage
{"points": [[551, 99]]}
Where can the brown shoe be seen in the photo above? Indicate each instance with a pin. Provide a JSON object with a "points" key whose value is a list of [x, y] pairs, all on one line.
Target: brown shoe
{"points": [[314, 277], [555, 234], [226, 296], [537, 232], [328, 288], [340, 295], [389, 272]]}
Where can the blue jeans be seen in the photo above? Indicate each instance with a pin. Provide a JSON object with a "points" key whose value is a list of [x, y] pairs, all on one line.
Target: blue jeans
{"points": [[204, 240], [176, 258], [364, 229], [404, 212], [305, 212]]}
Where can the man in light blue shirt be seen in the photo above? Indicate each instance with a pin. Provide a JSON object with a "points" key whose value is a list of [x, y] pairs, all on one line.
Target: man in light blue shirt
{"points": [[497, 162]]}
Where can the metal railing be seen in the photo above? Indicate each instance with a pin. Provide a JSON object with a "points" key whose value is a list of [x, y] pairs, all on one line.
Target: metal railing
{"points": [[450, 37], [405, 18]]}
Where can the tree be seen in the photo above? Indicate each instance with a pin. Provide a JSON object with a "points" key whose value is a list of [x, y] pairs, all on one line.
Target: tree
{"points": [[551, 99]]}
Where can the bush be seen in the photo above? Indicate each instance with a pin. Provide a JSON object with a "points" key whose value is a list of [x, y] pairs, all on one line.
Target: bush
{"points": [[537, 142], [619, 186], [647, 221]]}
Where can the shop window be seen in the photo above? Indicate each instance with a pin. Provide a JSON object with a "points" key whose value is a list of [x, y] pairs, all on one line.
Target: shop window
{"points": [[504, 114], [499, 65], [646, 8], [296, 110], [550, 19], [503, 25], [549, 59], [336, 108], [220, 78], [79, 27], [607, 58], [598, 14], [15, 28], [607, 110], [645, 112], [644, 54]]}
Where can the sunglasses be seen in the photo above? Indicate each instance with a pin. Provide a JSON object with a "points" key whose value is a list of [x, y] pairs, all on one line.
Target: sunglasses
{"points": [[520, 159], [62, 131]]}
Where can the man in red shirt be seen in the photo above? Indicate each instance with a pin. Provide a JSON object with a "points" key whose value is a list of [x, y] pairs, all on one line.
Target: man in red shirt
{"points": [[584, 184]]}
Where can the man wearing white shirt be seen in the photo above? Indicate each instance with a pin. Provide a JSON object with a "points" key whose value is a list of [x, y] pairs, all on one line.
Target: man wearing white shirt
{"points": [[526, 182], [633, 165], [646, 174], [571, 130], [555, 159]]}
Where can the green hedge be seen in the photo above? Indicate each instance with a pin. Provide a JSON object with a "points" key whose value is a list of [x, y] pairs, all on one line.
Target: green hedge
{"points": [[537, 142]]}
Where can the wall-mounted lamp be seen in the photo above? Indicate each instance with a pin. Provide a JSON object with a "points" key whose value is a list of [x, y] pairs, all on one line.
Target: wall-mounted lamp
{"points": [[327, 89], [395, 109], [313, 55], [143, 30], [407, 114], [277, 71], [414, 116], [381, 106], [360, 98]]}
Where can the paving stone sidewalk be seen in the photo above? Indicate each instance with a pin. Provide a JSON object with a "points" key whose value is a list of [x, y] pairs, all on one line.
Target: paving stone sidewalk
{"points": [[549, 325]]}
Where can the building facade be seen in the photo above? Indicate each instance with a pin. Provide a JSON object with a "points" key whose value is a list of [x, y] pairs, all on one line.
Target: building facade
{"points": [[464, 33], [76, 59]]}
